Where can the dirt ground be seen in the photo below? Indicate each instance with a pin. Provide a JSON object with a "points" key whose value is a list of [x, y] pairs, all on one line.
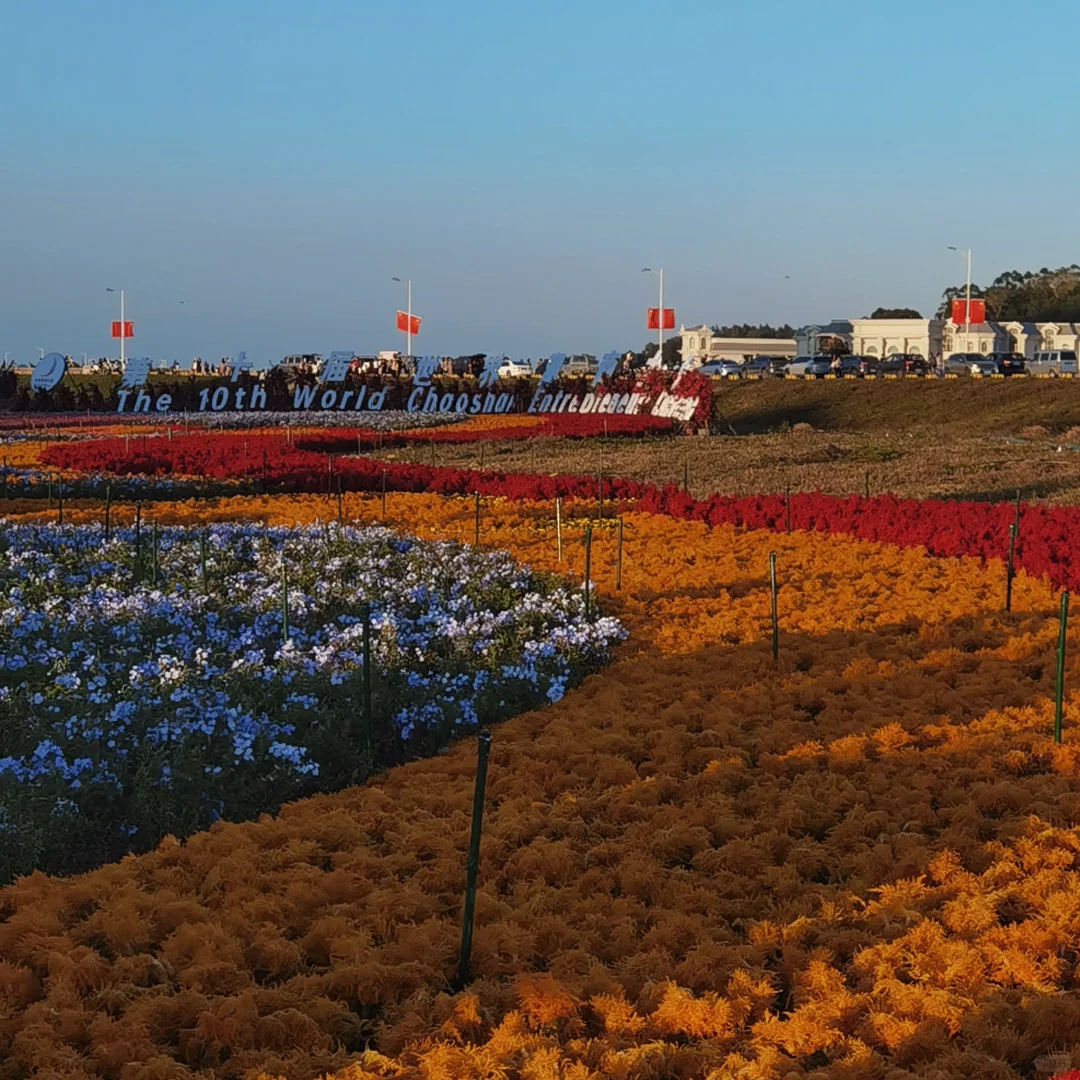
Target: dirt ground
{"points": [[915, 464]]}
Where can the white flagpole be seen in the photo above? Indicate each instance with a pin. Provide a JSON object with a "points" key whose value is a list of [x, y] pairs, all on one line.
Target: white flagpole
{"points": [[121, 329], [408, 320], [660, 332]]}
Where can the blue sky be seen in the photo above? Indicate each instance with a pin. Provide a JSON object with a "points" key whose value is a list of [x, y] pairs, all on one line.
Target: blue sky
{"points": [[274, 164]]}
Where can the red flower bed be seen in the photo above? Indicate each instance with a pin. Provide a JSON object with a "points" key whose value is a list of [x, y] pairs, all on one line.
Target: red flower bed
{"points": [[1045, 545]]}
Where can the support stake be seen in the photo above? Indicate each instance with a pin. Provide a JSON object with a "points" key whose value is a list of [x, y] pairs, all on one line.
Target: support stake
{"points": [[1062, 629], [483, 745], [365, 613], [476, 519], [284, 600], [558, 530], [588, 568], [772, 590], [618, 558], [1009, 567]]}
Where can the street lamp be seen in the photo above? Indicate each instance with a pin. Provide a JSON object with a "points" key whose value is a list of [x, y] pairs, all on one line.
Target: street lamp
{"points": [[121, 291], [6, 355], [408, 316], [967, 304], [40, 350], [660, 320]]}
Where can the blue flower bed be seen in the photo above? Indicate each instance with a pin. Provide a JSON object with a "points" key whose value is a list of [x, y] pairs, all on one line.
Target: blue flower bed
{"points": [[132, 708]]}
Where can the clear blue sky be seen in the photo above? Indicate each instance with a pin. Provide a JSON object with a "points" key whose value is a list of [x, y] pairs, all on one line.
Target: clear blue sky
{"points": [[273, 164]]}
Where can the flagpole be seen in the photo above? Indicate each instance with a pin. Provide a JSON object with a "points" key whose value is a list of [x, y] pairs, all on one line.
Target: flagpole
{"points": [[121, 329], [660, 332], [408, 320]]}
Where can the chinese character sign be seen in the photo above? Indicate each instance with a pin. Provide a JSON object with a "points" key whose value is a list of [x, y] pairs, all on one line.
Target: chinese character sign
{"points": [[136, 370], [426, 366], [242, 364], [336, 366], [490, 375], [554, 366], [606, 367]]}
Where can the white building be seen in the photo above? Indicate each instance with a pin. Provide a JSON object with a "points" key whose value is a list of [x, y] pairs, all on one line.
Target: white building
{"points": [[885, 337], [1024, 338], [700, 345]]}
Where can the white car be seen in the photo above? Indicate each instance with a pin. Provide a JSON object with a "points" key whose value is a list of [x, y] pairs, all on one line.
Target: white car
{"points": [[511, 369], [721, 368]]}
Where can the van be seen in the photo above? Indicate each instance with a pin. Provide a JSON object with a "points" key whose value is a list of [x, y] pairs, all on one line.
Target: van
{"points": [[1055, 362]]}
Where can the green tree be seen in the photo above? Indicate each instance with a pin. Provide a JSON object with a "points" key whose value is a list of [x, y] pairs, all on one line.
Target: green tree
{"points": [[895, 313], [748, 330]]}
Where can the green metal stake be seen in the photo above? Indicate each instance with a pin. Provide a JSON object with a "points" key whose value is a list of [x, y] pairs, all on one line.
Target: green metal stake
{"points": [[59, 500], [340, 510], [476, 520], [1061, 664], [600, 495], [384, 494], [686, 475], [50, 488], [365, 614], [108, 508], [866, 486], [483, 746], [284, 601], [1009, 567], [138, 541], [588, 567], [772, 590], [618, 558], [202, 559], [787, 507], [154, 553]]}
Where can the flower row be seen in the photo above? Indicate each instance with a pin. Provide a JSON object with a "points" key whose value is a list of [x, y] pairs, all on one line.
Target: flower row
{"points": [[157, 680], [858, 860], [1044, 544]]}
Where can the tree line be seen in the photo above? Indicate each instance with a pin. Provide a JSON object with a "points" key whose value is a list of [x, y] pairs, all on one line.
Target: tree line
{"points": [[1030, 296]]}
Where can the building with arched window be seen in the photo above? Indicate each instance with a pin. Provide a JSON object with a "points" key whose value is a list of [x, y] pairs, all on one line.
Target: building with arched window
{"points": [[700, 345], [886, 337]]}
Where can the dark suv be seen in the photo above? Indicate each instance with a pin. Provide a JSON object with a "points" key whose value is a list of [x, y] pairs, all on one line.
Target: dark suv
{"points": [[1008, 363], [903, 364]]}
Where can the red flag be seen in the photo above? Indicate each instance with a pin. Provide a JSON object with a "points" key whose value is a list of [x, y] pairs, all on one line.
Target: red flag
{"points": [[408, 324], [960, 316], [128, 331], [653, 321]]}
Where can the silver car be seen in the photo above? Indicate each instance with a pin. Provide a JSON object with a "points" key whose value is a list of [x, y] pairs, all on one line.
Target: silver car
{"points": [[721, 368]]}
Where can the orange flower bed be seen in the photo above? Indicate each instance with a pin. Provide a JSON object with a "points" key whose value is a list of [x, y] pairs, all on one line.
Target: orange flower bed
{"points": [[858, 861], [489, 423]]}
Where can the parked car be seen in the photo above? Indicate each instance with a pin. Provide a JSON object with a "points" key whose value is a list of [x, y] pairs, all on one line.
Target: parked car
{"points": [[867, 365], [760, 365], [817, 365], [512, 369], [1055, 362], [721, 368], [962, 363], [903, 364], [1008, 363], [854, 365], [779, 365]]}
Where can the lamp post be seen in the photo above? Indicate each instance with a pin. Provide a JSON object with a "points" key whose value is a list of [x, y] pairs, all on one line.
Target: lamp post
{"points": [[41, 352], [121, 291], [967, 302], [408, 316], [660, 320]]}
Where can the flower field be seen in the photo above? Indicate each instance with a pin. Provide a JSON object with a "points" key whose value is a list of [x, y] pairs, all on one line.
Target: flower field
{"points": [[154, 682], [858, 860]]}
